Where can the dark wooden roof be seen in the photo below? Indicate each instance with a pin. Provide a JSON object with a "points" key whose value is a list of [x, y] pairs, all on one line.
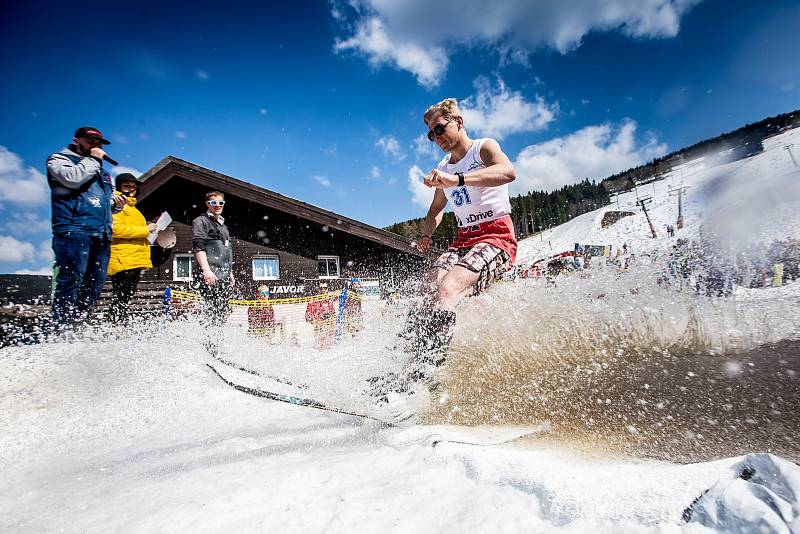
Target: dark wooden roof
{"points": [[171, 166]]}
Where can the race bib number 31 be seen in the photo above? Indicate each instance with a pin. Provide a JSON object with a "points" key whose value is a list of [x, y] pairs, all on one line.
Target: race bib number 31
{"points": [[461, 196]]}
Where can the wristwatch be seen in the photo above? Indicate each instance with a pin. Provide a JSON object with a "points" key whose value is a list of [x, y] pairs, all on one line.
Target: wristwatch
{"points": [[460, 178]]}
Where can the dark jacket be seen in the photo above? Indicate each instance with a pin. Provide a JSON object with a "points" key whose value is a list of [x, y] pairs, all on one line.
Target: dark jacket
{"points": [[214, 239], [80, 192]]}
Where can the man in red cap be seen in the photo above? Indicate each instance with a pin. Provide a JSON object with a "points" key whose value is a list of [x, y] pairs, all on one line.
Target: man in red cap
{"points": [[82, 199]]}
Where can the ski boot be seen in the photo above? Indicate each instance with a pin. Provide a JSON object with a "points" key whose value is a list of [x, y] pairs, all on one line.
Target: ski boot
{"points": [[426, 338]]}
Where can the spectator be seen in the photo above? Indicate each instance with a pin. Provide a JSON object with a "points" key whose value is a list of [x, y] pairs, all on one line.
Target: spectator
{"points": [[213, 253], [261, 316], [82, 200], [353, 314], [322, 315], [130, 249]]}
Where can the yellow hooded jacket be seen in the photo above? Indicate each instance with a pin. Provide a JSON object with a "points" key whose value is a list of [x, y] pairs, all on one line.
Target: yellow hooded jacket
{"points": [[130, 248]]}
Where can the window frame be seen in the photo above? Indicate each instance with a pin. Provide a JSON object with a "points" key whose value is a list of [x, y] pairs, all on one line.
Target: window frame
{"points": [[338, 267], [176, 257], [255, 257]]}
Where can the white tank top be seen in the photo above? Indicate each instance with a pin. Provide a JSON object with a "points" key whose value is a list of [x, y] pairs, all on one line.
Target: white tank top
{"points": [[473, 204]]}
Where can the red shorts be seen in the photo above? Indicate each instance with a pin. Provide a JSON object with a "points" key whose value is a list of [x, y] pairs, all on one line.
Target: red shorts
{"points": [[497, 232]]}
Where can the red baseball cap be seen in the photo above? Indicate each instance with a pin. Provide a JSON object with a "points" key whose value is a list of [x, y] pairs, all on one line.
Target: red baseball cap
{"points": [[91, 133]]}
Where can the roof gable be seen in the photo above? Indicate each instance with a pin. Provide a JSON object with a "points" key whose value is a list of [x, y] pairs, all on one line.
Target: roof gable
{"points": [[171, 166]]}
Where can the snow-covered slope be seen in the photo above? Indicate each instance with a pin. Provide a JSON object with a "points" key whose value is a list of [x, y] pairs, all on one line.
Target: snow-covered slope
{"points": [[757, 198]]}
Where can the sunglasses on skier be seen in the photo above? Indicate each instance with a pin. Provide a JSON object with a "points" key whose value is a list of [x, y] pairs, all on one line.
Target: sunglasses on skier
{"points": [[216, 202], [438, 130]]}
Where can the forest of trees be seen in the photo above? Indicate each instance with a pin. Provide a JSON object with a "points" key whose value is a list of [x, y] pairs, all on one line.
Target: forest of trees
{"points": [[539, 210]]}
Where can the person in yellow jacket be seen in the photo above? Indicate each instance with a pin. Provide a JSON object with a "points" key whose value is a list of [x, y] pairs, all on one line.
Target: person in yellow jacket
{"points": [[130, 249]]}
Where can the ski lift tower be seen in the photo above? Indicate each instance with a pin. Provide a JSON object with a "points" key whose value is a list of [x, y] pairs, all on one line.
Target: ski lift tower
{"points": [[642, 202], [788, 148], [679, 191]]}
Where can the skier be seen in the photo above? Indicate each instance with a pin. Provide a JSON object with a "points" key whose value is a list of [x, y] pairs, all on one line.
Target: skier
{"points": [[474, 175]]}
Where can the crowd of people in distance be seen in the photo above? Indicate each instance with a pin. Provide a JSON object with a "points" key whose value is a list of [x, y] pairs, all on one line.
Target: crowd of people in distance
{"points": [[713, 269]]}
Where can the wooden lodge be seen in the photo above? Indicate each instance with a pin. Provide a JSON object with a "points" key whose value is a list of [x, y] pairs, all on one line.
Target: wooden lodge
{"points": [[287, 244]]}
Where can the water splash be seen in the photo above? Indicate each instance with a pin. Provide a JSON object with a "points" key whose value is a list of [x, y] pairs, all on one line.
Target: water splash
{"points": [[620, 359]]}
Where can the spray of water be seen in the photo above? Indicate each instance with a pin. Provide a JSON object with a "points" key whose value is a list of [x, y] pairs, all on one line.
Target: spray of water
{"points": [[621, 359]]}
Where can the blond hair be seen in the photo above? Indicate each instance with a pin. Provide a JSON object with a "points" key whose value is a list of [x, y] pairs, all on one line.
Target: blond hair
{"points": [[447, 108]]}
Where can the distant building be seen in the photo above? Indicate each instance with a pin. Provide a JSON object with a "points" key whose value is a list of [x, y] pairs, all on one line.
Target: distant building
{"points": [[285, 243]]}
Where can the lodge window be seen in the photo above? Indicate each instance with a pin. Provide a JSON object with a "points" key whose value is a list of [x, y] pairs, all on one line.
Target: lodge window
{"points": [[266, 267], [182, 268], [328, 266]]}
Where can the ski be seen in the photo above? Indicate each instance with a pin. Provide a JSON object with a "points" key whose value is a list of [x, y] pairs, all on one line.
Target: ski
{"points": [[277, 379], [481, 444], [490, 441], [301, 401]]}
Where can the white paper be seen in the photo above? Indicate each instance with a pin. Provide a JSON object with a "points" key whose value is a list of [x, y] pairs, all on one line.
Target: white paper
{"points": [[163, 221]]}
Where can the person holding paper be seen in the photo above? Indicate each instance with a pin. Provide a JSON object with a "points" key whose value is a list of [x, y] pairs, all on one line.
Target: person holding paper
{"points": [[130, 248]]}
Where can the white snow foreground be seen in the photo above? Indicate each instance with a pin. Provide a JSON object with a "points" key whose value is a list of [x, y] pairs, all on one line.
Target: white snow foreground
{"points": [[759, 495], [135, 436]]}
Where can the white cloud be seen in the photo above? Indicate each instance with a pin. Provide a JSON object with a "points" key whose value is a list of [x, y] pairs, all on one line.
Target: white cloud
{"points": [[374, 172], [391, 148], [24, 223], [180, 134], [425, 61], [201, 73], [47, 271], [419, 36], [15, 251], [425, 149], [421, 194], [322, 180], [45, 251], [595, 152], [25, 186], [119, 169], [497, 112]]}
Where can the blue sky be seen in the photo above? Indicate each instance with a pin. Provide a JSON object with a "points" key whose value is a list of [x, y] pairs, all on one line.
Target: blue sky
{"points": [[322, 101]]}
